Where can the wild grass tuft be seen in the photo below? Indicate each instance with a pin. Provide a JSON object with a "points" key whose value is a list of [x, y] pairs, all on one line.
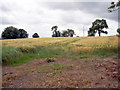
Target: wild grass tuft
{"points": [[10, 53]]}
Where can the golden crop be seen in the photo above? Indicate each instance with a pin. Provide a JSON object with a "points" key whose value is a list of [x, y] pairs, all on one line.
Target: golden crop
{"points": [[77, 44]]}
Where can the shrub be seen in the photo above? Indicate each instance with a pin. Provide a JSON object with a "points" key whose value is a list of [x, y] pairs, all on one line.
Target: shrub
{"points": [[50, 59]]}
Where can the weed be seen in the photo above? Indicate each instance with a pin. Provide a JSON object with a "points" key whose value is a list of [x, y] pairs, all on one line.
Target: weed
{"points": [[50, 59]]}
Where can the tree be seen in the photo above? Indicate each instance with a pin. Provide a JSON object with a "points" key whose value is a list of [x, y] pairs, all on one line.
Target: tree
{"points": [[71, 32], [10, 33], [57, 34], [118, 30], [98, 26], [54, 29], [65, 33], [23, 33], [68, 33], [114, 6], [35, 35], [91, 32]]}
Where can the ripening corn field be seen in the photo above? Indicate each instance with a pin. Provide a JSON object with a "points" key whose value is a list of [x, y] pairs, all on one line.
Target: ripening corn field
{"points": [[23, 50]]}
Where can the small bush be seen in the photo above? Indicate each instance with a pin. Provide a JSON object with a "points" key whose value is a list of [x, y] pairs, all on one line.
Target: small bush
{"points": [[50, 59]]}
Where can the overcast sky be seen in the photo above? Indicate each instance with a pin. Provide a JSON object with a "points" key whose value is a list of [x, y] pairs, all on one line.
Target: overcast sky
{"points": [[36, 16]]}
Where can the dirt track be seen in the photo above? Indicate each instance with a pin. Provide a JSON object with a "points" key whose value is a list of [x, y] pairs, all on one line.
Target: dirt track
{"points": [[83, 73]]}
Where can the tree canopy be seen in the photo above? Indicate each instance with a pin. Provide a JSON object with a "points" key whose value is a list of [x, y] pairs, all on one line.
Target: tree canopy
{"points": [[68, 33], [23, 33], [118, 30], [55, 32], [35, 35], [13, 33], [98, 26], [114, 6], [65, 33], [71, 32]]}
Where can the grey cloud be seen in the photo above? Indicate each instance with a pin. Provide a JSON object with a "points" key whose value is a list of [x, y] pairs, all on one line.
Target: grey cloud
{"points": [[6, 21], [96, 8], [4, 8]]}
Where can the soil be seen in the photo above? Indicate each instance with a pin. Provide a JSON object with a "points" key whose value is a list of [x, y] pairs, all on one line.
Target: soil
{"points": [[83, 73]]}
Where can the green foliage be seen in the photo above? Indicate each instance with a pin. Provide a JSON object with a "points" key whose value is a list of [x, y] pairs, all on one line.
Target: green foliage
{"points": [[35, 35], [98, 26], [71, 32], [54, 28], [13, 33], [23, 33], [114, 6], [118, 30], [23, 59], [10, 33], [65, 33], [91, 32], [50, 59], [55, 32], [68, 33]]}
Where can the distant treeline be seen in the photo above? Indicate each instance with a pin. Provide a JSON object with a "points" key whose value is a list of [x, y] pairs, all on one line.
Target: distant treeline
{"points": [[14, 33], [97, 27]]}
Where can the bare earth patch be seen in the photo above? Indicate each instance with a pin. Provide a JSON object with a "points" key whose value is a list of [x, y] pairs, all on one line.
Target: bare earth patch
{"points": [[63, 73]]}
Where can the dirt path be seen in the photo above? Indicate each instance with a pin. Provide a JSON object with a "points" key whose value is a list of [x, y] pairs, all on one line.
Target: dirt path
{"points": [[63, 73]]}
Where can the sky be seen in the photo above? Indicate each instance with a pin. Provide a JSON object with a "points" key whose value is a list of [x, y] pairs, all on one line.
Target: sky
{"points": [[38, 16]]}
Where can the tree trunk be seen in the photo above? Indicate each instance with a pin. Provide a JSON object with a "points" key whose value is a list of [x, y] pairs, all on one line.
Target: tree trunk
{"points": [[99, 33]]}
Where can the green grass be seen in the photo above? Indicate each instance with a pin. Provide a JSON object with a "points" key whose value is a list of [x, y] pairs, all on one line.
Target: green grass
{"points": [[57, 72], [58, 66], [18, 56], [55, 68], [13, 56], [23, 59], [10, 53]]}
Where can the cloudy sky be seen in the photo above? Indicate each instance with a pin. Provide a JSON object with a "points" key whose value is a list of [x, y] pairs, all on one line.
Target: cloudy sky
{"points": [[38, 16]]}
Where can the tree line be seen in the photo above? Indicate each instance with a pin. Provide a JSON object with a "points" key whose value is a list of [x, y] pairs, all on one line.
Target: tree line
{"points": [[14, 33], [97, 27], [64, 33]]}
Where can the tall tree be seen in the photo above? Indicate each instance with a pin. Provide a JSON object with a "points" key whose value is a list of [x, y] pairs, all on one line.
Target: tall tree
{"points": [[23, 33], [35, 35], [114, 6], [65, 33], [57, 34], [10, 33], [118, 30], [91, 32], [54, 29], [71, 32], [98, 26]]}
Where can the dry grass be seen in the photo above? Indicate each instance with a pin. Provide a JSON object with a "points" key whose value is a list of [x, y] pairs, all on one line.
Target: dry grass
{"points": [[97, 42], [79, 44], [32, 42], [88, 44]]}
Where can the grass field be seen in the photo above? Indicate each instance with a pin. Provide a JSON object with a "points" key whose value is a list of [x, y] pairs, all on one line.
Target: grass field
{"points": [[20, 51], [60, 62]]}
